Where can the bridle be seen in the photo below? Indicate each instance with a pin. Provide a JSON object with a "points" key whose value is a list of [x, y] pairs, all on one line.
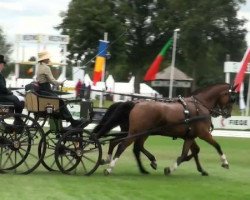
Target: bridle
{"points": [[217, 110], [214, 112]]}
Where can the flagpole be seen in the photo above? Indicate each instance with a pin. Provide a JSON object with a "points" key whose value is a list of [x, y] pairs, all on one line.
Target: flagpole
{"points": [[173, 63], [248, 98], [103, 73]]}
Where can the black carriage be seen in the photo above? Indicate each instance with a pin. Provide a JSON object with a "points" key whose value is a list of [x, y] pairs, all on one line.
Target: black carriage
{"points": [[75, 148], [24, 146], [19, 141]]}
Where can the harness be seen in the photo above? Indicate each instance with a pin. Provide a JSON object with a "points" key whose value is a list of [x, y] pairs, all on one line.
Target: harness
{"points": [[186, 115]]}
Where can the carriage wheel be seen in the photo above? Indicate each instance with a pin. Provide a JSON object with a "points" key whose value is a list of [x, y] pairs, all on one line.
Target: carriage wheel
{"points": [[14, 147], [49, 158], [78, 154], [19, 144]]}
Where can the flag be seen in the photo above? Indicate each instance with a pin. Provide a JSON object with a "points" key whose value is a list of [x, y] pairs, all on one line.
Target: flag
{"points": [[100, 61], [241, 74], [154, 67]]}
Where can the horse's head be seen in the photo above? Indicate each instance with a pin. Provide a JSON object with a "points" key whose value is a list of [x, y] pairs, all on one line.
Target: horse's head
{"points": [[224, 104]]}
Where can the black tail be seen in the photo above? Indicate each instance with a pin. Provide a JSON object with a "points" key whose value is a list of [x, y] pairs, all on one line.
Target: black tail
{"points": [[116, 115]]}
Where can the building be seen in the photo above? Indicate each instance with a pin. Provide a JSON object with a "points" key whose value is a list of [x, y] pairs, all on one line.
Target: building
{"points": [[181, 85]]}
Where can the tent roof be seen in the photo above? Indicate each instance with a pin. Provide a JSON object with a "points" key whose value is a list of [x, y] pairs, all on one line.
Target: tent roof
{"points": [[178, 75]]}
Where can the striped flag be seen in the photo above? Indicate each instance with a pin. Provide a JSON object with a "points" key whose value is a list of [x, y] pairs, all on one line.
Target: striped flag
{"points": [[155, 66], [241, 74], [100, 61]]}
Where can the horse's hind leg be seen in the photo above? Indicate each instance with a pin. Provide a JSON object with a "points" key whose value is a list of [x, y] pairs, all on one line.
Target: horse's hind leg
{"points": [[209, 139], [186, 146], [195, 149], [112, 145], [139, 147], [151, 157], [121, 148]]}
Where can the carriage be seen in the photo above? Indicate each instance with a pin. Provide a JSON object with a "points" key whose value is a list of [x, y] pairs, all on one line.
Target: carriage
{"points": [[77, 150], [24, 147]]}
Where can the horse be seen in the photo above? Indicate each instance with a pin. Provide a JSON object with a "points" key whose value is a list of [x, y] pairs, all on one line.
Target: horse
{"points": [[118, 115], [147, 117]]}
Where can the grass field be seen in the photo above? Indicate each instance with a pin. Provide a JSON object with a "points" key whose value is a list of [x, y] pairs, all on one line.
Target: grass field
{"points": [[127, 183]]}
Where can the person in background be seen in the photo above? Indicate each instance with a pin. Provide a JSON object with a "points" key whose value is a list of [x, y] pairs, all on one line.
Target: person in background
{"points": [[44, 78], [7, 96], [78, 88]]}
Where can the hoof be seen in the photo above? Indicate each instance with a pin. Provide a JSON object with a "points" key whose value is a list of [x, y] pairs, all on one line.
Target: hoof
{"points": [[144, 172], [153, 165], [226, 166], [103, 162], [107, 172], [167, 171], [204, 173]]}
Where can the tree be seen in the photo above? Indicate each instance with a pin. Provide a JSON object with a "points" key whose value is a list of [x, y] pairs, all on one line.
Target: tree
{"points": [[210, 30], [5, 49], [86, 21]]}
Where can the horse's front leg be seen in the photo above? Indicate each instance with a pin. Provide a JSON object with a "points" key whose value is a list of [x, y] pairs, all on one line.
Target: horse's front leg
{"points": [[186, 146], [209, 139]]}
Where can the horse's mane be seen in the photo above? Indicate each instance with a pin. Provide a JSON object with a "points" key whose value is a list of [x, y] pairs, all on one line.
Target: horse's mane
{"points": [[199, 90]]}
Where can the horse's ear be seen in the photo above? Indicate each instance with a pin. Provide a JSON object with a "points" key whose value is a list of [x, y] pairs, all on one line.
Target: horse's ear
{"points": [[235, 87]]}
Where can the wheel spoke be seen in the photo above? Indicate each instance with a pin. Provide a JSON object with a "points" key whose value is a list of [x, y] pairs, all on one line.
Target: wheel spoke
{"points": [[84, 167], [8, 158], [89, 159]]}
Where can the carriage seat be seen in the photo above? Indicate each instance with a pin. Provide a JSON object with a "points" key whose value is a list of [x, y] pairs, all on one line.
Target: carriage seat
{"points": [[37, 103], [6, 107]]}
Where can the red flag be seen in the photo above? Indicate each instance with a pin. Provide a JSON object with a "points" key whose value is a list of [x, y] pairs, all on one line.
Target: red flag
{"points": [[154, 67], [241, 74]]}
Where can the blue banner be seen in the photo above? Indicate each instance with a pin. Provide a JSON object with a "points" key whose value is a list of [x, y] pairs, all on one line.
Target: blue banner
{"points": [[102, 49]]}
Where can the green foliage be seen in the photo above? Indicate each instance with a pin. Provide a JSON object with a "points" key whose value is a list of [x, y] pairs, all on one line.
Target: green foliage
{"points": [[138, 29], [5, 48]]}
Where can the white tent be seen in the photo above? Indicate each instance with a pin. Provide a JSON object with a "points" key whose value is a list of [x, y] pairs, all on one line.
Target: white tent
{"points": [[110, 83], [87, 80]]}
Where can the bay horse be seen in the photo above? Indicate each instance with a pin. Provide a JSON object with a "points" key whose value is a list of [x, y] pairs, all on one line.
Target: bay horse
{"points": [[147, 117], [118, 115]]}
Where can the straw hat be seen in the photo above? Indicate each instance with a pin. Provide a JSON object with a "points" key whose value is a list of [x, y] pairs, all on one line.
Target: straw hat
{"points": [[43, 56]]}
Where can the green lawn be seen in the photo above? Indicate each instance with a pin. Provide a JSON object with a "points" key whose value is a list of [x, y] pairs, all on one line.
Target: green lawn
{"points": [[127, 183]]}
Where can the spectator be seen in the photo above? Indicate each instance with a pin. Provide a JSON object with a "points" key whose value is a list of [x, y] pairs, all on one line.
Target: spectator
{"points": [[78, 88]]}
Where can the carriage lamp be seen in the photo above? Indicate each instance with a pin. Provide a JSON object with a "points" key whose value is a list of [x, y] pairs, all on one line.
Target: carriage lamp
{"points": [[50, 108]]}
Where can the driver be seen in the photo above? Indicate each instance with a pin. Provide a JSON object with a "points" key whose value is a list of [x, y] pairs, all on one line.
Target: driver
{"points": [[44, 79]]}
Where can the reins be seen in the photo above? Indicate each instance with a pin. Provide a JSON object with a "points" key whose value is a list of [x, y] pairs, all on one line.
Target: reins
{"points": [[165, 127]]}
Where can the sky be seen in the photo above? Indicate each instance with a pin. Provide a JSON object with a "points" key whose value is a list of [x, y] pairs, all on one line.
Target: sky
{"points": [[40, 17]]}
